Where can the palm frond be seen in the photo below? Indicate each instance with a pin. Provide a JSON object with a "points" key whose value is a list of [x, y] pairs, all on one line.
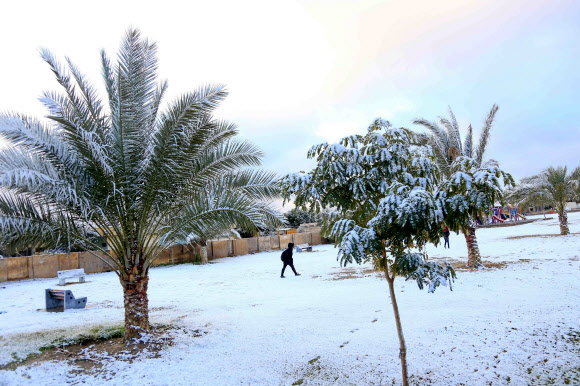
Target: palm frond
{"points": [[485, 132], [452, 131], [468, 144]]}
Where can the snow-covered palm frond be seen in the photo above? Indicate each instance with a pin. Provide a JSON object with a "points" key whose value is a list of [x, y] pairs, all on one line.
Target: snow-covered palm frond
{"points": [[219, 160], [218, 209], [468, 144], [439, 140], [485, 132], [36, 137], [452, 131]]}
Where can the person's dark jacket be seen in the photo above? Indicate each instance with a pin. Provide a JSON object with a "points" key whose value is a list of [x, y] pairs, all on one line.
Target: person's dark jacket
{"points": [[287, 254]]}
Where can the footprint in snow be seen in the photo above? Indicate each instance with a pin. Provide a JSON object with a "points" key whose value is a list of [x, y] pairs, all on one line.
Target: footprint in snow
{"points": [[344, 344], [352, 331]]}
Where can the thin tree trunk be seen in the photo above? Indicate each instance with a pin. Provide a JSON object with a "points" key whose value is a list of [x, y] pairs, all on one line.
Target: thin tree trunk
{"points": [[136, 307], [203, 253], [563, 217], [473, 255], [402, 346]]}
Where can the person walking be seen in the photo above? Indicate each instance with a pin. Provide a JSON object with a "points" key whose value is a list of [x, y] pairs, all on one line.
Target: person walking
{"points": [[446, 236], [288, 260]]}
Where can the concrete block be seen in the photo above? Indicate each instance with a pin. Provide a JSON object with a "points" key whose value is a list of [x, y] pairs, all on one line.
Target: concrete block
{"points": [[180, 254], [17, 268], [163, 258], [30, 265], [264, 244], [284, 240], [252, 244], [68, 261], [240, 247], [275, 242], [209, 250], [3, 270], [316, 238], [63, 298], [299, 238], [44, 266], [220, 248], [91, 263]]}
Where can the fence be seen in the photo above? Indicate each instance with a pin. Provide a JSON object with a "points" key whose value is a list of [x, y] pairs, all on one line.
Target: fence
{"points": [[46, 266]]}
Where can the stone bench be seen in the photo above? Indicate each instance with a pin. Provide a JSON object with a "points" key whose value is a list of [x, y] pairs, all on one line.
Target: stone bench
{"points": [[64, 299], [303, 248], [71, 274]]}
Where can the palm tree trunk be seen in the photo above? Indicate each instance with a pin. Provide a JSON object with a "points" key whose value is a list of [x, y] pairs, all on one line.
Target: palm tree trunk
{"points": [[402, 346], [203, 253], [563, 217], [136, 307], [473, 255]]}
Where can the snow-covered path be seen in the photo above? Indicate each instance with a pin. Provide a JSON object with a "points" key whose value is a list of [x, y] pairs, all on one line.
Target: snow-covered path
{"points": [[506, 326]]}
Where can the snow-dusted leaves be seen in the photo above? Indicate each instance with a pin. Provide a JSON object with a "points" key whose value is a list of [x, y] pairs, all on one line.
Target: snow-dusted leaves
{"points": [[472, 189], [414, 266]]}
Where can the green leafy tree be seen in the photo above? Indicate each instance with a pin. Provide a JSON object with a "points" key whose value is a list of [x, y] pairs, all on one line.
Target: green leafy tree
{"points": [[383, 189], [123, 167], [553, 186], [445, 140]]}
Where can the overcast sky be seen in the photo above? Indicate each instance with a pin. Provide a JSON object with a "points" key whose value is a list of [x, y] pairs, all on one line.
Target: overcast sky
{"points": [[305, 72]]}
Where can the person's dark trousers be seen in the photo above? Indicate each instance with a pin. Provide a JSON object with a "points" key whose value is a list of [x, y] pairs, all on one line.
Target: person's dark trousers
{"points": [[291, 264], [446, 242]]}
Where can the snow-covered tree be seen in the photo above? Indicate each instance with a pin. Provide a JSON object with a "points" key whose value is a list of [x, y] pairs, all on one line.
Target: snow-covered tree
{"points": [[138, 174], [448, 146], [553, 186], [296, 217], [384, 190]]}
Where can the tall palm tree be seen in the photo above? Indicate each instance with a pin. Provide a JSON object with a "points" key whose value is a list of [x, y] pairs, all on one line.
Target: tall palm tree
{"points": [[128, 170], [447, 145], [553, 186]]}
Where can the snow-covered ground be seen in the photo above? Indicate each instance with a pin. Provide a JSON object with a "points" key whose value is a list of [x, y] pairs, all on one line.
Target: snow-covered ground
{"points": [[516, 325]]}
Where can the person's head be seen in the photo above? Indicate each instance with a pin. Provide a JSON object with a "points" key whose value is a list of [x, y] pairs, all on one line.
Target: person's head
{"points": [[290, 245]]}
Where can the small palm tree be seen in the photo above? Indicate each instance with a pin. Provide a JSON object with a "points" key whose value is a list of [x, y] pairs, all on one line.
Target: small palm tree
{"points": [[126, 169], [447, 146], [554, 186]]}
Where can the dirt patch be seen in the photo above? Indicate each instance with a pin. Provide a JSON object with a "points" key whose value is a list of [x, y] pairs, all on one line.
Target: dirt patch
{"points": [[93, 356], [354, 273]]}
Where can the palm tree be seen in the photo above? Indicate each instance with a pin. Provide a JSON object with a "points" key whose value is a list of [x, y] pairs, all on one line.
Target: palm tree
{"points": [[447, 145], [554, 186], [124, 168]]}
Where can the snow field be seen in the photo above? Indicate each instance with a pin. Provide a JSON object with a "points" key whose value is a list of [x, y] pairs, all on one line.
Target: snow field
{"points": [[498, 326]]}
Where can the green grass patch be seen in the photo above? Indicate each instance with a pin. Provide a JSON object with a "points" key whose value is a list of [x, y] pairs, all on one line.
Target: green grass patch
{"points": [[94, 335]]}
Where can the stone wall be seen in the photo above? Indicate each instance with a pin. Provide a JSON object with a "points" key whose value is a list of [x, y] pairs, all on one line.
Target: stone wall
{"points": [[46, 266]]}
